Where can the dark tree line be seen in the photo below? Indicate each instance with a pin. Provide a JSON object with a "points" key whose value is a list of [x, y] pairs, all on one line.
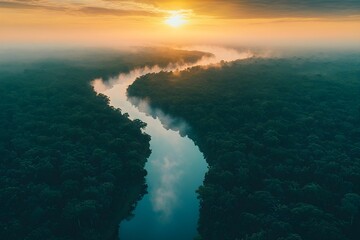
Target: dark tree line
{"points": [[71, 167], [282, 139]]}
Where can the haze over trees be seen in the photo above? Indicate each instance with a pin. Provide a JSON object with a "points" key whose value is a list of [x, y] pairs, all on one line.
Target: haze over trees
{"points": [[71, 166], [282, 139]]}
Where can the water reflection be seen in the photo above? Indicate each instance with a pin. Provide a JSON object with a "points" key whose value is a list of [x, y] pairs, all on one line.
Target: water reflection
{"points": [[176, 167]]}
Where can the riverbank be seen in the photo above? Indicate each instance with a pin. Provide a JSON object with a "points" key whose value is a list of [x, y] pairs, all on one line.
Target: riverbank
{"points": [[175, 170], [66, 154], [280, 137]]}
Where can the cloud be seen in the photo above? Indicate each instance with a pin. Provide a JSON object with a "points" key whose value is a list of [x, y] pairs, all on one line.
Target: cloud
{"points": [[29, 5], [241, 9], [117, 12], [231, 9], [165, 196], [304, 7], [91, 7]]}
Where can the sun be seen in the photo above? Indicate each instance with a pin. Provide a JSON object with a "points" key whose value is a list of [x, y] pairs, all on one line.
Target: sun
{"points": [[175, 20]]}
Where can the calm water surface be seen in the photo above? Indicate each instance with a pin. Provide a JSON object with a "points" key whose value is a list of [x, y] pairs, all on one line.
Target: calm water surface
{"points": [[176, 167]]}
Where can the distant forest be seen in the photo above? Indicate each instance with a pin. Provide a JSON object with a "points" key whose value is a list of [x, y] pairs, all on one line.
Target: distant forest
{"points": [[282, 139], [71, 166]]}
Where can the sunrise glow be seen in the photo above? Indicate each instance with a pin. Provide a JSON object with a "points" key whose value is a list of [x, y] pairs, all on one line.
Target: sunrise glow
{"points": [[175, 20], [169, 119], [114, 23]]}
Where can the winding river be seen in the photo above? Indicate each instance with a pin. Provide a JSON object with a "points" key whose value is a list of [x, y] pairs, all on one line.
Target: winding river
{"points": [[176, 167]]}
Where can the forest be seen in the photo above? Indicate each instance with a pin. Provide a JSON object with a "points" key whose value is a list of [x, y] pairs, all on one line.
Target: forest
{"points": [[71, 166], [282, 140]]}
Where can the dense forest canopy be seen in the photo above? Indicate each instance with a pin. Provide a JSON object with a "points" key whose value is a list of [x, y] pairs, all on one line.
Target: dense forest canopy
{"points": [[71, 166], [282, 139]]}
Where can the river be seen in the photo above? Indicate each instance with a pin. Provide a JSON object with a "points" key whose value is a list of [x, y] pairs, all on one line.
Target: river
{"points": [[176, 167]]}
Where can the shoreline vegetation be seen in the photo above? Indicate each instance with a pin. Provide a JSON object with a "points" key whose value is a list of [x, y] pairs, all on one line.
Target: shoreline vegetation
{"points": [[72, 167], [281, 137]]}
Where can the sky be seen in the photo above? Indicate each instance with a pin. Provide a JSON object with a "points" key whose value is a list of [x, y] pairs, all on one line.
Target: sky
{"points": [[144, 22]]}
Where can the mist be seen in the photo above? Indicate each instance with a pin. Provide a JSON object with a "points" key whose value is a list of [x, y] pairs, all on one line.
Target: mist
{"points": [[116, 89], [176, 167]]}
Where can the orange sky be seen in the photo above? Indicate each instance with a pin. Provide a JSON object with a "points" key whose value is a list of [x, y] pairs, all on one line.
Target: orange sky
{"points": [[118, 23]]}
